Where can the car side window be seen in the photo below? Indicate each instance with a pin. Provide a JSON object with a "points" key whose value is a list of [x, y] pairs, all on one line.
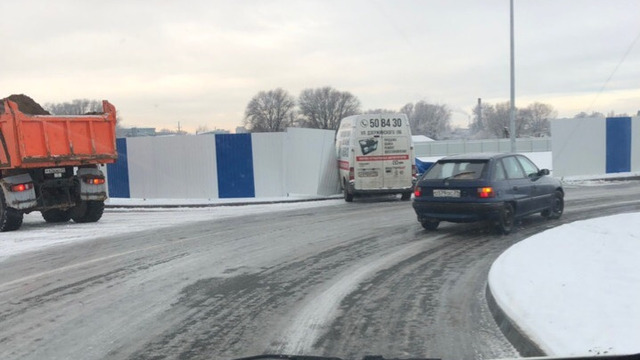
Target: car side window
{"points": [[513, 168], [529, 167], [498, 171]]}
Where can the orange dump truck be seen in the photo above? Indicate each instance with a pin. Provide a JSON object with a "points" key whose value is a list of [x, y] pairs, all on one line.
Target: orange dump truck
{"points": [[51, 164]]}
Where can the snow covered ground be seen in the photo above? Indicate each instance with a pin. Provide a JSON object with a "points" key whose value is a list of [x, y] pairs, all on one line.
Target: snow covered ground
{"points": [[575, 289], [35, 234]]}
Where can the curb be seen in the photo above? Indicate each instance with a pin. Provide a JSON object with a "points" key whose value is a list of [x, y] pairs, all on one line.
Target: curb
{"points": [[525, 346], [239, 203]]}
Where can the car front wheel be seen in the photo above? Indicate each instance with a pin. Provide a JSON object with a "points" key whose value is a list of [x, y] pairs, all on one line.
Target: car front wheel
{"points": [[557, 207]]}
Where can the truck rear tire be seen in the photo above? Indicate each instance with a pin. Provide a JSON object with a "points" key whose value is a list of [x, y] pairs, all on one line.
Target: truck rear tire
{"points": [[10, 219], [87, 211], [56, 216]]}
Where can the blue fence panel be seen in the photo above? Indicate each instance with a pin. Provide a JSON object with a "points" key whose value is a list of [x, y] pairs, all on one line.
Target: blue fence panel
{"points": [[234, 157], [118, 172], [618, 144]]}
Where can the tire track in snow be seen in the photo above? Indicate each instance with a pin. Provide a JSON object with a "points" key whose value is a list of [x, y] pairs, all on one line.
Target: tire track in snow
{"points": [[320, 310]]}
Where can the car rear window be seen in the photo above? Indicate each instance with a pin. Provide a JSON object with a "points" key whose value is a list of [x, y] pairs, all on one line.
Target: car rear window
{"points": [[456, 169]]}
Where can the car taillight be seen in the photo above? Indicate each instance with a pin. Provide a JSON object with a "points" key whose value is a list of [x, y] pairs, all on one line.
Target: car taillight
{"points": [[351, 173], [417, 192], [21, 187], [94, 181], [486, 192]]}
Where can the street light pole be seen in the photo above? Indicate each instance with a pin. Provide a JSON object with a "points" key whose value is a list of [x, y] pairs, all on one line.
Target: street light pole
{"points": [[512, 111]]}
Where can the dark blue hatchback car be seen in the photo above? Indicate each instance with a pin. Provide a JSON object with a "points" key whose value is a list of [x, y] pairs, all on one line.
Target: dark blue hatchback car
{"points": [[498, 188]]}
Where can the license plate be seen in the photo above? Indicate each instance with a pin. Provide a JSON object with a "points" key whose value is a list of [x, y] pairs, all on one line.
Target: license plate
{"points": [[54, 171], [446, 193]]}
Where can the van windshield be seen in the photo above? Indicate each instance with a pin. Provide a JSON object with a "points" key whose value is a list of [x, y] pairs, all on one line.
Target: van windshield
{"points": [[459, 170]]}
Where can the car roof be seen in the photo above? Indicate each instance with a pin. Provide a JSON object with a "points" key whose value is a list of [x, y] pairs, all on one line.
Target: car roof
{"points": [[477, 156]]}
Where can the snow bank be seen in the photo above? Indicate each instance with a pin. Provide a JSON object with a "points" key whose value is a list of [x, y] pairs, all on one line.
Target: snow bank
{"points": [[575, 289]]}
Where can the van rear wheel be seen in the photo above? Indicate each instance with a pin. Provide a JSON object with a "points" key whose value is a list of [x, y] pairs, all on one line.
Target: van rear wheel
{"points": [[348, 197], [406, 196]]}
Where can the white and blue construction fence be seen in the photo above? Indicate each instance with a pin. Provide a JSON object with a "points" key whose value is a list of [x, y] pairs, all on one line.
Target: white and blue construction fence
{"points": [[298, 161], [595, 146], [302, 161]]}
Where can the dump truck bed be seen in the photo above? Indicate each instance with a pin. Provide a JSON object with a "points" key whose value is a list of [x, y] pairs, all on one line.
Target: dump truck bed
{"points": [[34, 141]]}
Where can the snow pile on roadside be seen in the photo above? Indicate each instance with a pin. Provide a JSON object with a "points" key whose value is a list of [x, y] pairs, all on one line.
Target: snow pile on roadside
{"points": [[575, 289]]}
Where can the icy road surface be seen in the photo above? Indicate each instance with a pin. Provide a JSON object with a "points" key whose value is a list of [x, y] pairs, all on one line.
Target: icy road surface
{"points": [[327, 278]]}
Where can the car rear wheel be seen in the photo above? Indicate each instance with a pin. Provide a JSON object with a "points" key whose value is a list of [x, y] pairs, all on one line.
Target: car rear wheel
{"points": [[506, 219], [430, 224], [557, 207]]}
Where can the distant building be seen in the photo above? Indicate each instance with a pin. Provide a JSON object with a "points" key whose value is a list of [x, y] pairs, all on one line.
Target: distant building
{"points": [[241, 130], [216, 131], [135, 132]]}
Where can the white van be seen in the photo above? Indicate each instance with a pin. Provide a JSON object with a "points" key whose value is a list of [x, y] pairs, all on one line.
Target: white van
{"points": [[375, 155]]}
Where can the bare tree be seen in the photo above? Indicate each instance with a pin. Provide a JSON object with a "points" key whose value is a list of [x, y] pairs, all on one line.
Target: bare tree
{"points": [[495, 122], [269, 111], [586, 115], [79, 107], [74, 107], [380, 111], [202, 129], [498, 124], [479, 124], [323, 108], [536, 119], [432, 120]]}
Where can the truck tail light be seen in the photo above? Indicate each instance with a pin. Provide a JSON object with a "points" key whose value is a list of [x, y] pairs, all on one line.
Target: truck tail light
{"points": [[21, 187], [94, 180], [351, 174], [486, 192], [417, 192]]}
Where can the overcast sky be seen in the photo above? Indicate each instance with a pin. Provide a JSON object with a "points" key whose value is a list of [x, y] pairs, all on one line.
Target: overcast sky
{"points": [[200, 62]]}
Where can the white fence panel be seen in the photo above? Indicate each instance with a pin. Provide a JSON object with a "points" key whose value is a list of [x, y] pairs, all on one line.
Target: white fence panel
{"points": [[306, 150], [172, 167], [579, 146], [268, 164]]}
